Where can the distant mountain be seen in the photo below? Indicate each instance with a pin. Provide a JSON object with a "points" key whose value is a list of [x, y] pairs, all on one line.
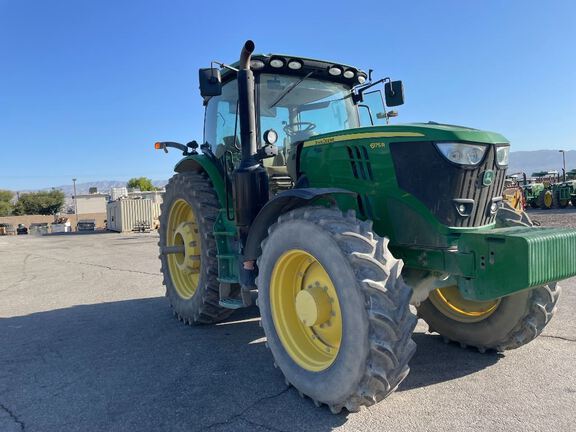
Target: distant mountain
{"points": [[540, 160]]}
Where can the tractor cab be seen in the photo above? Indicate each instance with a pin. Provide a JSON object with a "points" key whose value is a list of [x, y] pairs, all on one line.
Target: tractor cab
{"points": [[295, 99]]}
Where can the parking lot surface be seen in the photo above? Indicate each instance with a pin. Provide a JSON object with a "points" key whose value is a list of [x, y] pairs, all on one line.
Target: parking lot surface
{"points": [[88, 343]]}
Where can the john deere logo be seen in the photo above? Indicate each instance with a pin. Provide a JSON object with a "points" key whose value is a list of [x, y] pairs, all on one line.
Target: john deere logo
{"points": [[488, 178]]}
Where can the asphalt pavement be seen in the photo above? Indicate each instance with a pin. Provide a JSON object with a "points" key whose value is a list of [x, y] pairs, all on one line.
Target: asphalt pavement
{"points": [[88, 343]]}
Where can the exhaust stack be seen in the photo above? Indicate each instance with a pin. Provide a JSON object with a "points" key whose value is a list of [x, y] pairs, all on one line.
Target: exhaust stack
{"points": [[246, 107], [250, 180]]}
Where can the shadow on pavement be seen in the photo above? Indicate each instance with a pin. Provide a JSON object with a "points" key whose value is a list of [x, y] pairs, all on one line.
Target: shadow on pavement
{"points": [[79, 233], [130, 365], [436, 362]]}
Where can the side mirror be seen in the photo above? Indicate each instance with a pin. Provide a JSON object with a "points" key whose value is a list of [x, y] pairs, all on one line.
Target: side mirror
{"points": [[394, 93], [210, 82]]}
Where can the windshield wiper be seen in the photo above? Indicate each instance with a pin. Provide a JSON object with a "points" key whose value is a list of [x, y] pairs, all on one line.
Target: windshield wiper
{"points": [[289, 89]]}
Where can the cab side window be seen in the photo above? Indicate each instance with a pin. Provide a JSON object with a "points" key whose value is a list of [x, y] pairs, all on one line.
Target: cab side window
{"points": [[372, 110], [220, 120]]}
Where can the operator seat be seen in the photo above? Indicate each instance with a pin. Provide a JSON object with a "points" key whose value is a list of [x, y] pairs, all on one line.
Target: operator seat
{"points": [[278, 176], [227, 146]]}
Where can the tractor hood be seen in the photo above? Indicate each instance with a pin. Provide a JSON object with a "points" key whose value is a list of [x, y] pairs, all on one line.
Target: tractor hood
{"points": [[402, 177], [410, 132]]}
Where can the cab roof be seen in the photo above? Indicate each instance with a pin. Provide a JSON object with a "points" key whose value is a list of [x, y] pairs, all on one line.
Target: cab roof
{"points": [[301, 66]]}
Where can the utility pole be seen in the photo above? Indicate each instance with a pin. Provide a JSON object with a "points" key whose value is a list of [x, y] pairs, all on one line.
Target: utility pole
{"points": [[75, 205], [563, 163]]}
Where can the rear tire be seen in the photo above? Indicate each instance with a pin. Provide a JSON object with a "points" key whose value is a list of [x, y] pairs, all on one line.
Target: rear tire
{"points": [[546, 200], [193, 295], [371, 306]]}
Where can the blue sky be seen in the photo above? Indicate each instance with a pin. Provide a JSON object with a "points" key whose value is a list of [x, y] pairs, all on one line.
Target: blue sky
{"points": [[87, 87]]}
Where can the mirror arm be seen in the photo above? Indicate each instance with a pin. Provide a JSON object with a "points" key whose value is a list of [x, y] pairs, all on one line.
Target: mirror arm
{"points": [[358, 96], [223, 66]]}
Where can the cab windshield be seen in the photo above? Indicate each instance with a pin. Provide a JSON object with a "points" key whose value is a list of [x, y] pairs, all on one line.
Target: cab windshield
{"points": [[295, 107], [298, 108]]}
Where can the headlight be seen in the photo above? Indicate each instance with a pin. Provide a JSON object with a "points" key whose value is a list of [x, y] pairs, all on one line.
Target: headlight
{"points": [[294, 65], [257, 64], [335, 71], [276, 63], [349, 74], [462, 154], [503, 155]]}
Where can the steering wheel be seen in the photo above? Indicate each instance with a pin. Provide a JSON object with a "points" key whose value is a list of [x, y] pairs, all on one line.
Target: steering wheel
{"points": [[289, 128]]}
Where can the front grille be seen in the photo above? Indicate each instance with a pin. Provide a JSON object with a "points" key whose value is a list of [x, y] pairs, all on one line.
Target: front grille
{"points": [[423, 172]]}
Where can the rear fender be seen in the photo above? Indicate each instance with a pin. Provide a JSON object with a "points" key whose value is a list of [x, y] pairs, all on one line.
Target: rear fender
{"points": [[202, 163]]}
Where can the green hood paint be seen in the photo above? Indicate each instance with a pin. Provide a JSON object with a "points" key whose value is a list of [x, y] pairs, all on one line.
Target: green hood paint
{"points": [[427, 131]]}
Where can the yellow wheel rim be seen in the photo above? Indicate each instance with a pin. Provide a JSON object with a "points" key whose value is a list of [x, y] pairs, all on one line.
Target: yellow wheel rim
{"points": [[548, 199], [182, 231], [305, 310], [517, 202], [450, 302]]}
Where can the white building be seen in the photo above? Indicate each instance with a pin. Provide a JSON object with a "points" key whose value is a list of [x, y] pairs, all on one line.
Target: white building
{"points": [[154, 196], [118, 192], [91, 203]]}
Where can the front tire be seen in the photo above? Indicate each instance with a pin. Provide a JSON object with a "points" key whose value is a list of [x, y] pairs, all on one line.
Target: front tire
{"points": [[502, 324], [189, 210], [334, 308]]}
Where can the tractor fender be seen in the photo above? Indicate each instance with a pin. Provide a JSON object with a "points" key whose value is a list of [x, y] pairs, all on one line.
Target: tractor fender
{"points": [[202, 163], [282, 203]]}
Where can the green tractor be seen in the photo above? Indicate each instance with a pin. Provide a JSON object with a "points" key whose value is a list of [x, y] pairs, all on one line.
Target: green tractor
{"points": [[555, 195], [305, 196], [564, 193], [532, 193]]}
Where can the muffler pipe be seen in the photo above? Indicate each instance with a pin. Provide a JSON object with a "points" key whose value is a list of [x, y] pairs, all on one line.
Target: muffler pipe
{"points": [[245, 55], [246, 107], [250, 180]]}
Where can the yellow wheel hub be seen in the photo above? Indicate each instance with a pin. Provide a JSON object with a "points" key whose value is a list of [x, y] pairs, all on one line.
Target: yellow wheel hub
{"points": [[450, 302], [305, 310], [182, 233], [548, 199], [313, 306]]}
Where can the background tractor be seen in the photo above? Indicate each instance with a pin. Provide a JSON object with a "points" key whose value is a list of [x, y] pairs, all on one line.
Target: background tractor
{"points": [[532, 192], [340, 221], [564, 193], [555, 195], [549, 192]]}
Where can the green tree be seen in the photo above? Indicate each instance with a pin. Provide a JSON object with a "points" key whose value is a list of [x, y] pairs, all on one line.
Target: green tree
{"points": [[6, 206], [43, 203], [142, 183]]}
